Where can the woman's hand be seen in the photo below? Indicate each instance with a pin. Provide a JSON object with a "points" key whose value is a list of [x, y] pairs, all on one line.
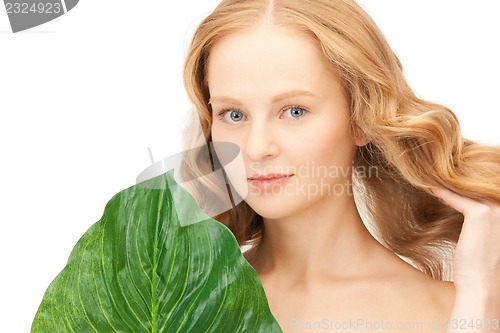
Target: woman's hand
{"points": [[476, 263]]}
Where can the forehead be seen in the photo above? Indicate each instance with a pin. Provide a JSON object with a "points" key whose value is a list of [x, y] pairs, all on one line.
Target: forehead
{"points": [[267, 56]]}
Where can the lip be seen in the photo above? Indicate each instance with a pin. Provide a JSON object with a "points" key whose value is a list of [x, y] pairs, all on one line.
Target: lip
{"points": [[269, 182]]}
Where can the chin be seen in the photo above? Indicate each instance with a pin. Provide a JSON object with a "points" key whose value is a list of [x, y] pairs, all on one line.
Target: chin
{"points": [[271, 209]]}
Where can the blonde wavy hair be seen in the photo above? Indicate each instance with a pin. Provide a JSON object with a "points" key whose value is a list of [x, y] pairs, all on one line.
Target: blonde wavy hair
{"points": [[414, 144]]}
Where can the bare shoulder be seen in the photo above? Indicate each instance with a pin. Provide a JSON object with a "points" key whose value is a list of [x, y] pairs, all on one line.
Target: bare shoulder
{"points": [[389, 290], [425, 296], [437, 295], [443, 292]]}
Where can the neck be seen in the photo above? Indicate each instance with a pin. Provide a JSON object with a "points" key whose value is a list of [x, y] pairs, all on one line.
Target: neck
{"points": [[329, 240]]}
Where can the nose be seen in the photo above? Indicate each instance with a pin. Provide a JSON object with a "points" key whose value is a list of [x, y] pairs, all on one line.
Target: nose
{"points": [[261, 143]]}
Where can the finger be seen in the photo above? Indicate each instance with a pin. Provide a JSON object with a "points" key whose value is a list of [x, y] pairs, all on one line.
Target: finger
{"points": [[454, 200]]}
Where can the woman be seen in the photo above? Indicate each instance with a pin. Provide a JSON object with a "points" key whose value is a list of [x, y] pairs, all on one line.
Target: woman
{"points": [[329, 131]]}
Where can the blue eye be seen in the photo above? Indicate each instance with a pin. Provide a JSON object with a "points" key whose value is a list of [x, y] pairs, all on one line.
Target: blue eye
{"points": [[294, 112], [236, 116], [231, 116]]}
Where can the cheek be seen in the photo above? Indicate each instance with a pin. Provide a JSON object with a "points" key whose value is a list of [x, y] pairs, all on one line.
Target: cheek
{"points": [[222, 134], [324, 144], [235, 172], [232, 161], [215, 132]]}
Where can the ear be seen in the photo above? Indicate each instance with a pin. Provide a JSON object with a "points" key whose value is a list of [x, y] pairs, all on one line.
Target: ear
{"points": [[360, 138]]}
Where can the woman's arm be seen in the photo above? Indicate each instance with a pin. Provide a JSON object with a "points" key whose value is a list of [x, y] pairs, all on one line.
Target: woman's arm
{"points": [[476, 266], [475, 309]]}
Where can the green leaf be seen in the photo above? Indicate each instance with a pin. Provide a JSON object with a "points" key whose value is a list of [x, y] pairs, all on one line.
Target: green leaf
{"points": [[138, 270]]}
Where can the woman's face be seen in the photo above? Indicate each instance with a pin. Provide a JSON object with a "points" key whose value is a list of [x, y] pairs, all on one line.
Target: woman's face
{"points": [[273, 95]]}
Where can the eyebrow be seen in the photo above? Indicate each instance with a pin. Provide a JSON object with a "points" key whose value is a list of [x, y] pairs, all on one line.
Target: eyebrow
{"points": [[277, 98]]}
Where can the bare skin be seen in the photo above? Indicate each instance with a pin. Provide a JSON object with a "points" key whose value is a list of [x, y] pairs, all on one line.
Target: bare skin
{"points": [[385, 290], [344, 277], [273, 95]]}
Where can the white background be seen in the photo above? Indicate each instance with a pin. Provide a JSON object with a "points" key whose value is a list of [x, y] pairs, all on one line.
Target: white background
{"points": [[83, 96]]}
